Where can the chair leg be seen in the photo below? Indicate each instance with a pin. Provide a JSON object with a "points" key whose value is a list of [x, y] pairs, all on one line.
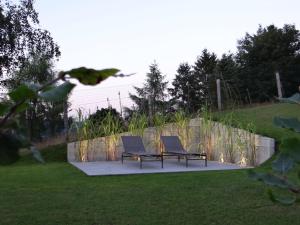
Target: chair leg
{"points": [[141, 161], [186, 162], [178, 158], [122, 158], [206, 161], [162, 161]]}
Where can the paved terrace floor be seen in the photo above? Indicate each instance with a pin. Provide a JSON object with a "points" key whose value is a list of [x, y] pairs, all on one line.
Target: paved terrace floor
{"points": [[132, 167]]}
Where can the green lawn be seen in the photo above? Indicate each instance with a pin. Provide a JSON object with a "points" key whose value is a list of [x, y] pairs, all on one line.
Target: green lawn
{"points": [[57, 193]]}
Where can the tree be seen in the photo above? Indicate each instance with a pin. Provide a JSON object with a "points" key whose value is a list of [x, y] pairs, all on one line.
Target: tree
{"points": [[204, 74], [154, 90], [184, 92], [36, 69], [21, 37], [99, 115], [228, 71], [19, 100], [260, 55], [43, 118]]}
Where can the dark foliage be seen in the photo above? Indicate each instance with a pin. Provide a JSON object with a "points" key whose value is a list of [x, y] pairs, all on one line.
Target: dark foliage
{"points": [[260, 55], [9, 147], [21, 37], [99, 115], [185, 91]]}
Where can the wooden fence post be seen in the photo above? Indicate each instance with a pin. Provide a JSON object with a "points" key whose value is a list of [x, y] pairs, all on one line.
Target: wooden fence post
{"points": [[150, 105], [66, 122], [279, 90], [219, 95]]}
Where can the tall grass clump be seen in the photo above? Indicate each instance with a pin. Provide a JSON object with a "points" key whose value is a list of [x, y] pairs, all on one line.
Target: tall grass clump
{"points": [[111, 127], [251, 153], [85, 130], [229, 137], [159, 121], [238, 143], [182, 121], [137, 124], [206, 131]]}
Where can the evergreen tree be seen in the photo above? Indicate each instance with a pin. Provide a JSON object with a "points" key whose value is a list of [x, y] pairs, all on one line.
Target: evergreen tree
{"points": [[228, 71], [184, 93], [205, 76], [260, 55], [154, 89]]}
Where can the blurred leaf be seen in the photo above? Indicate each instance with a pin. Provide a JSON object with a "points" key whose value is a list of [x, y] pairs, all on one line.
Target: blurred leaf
{"points": [[33, 86], [283, 163], [291, 147], [37, 154], [289, 123], [270, 179], [11, 124], [22, 107], [4, 107], [90, 76], [23, 92], [271, 195], [57, 93], [285, 200], [295, 98], [253, 175]]}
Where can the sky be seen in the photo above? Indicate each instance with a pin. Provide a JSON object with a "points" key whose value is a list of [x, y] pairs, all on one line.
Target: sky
{"points": [[132, 34]]}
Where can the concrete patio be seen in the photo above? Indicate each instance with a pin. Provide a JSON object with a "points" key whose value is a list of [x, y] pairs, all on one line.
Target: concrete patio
{"points": [[132, 167]]}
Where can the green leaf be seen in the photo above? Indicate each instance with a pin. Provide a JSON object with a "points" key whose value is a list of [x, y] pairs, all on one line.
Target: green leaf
{"points": [[22, 107], [253, 175], [271, 195], [291, 147], [270, 179], [3, 108], [283, 163], [23, 92], [36, 154], [295, 98], [34, 86], [289, 123], [11, 124], [90, 76], [57, 93], [285, 200]]}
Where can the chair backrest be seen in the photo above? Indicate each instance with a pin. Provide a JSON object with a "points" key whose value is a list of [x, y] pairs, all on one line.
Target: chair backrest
{"points": [[172, 144], [133, 144]]}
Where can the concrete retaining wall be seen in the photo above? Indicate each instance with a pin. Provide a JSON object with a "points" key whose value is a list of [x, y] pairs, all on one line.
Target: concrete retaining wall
{"points": [[221, 143]]}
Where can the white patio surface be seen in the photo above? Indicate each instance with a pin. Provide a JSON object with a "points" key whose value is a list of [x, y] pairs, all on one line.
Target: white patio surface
{"points": [[133, 167]]}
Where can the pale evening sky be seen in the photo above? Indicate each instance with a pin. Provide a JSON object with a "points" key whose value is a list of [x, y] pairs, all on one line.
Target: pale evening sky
{"points": [[131, 34]]}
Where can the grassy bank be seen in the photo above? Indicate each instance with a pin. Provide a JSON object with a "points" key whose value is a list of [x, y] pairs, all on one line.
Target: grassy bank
{"points": [[262, 117]]}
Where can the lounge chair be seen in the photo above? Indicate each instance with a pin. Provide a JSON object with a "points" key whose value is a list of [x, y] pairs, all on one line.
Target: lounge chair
{"points": [[134, 148], [173, 147]]}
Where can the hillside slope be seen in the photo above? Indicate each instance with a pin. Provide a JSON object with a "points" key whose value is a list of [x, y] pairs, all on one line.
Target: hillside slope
{"points": [[262, 117]]}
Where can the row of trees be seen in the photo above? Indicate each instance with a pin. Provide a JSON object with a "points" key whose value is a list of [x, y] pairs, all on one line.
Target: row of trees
{"points": [[247, 76], [27, 53]]}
